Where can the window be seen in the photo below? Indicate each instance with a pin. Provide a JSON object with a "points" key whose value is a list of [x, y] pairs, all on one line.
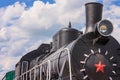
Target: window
{"points": [[24, 66]]}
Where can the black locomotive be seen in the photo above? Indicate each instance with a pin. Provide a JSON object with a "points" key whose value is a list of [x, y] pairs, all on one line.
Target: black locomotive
{"points": [[73, 55]]}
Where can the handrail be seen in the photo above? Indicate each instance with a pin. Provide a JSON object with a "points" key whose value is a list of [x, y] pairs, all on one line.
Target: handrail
{"points": [[48, 68], [34, 68], [69, 58]]}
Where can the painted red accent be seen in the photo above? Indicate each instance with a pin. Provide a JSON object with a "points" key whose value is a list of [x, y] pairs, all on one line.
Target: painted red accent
{"points": [[100, 67]]}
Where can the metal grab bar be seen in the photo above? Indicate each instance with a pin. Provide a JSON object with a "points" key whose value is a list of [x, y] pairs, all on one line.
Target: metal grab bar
{"points": [[22, 77], [48, 76]]}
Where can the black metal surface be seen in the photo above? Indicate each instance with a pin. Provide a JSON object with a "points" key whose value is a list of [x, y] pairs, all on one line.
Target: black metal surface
{"points": [[93, 15], [43, 49], [64, 37], [67, 35], [83, 46]]}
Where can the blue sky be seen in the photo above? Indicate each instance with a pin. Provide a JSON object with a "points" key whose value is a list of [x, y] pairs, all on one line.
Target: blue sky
{"points": [[4, 3], [25, 24], [29, 3]]}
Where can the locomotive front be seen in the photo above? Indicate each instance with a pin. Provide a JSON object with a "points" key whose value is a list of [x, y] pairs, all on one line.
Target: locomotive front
{"points": [[96, 54]]}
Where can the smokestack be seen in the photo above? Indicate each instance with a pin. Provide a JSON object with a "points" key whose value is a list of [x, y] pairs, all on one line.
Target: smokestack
{"points": [[93, 15]]}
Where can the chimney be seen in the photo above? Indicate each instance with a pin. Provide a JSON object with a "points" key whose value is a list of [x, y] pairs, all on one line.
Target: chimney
{"points": [[93, 15]]}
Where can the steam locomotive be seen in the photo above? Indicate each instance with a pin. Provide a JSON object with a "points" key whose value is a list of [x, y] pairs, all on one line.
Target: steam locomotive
{"points": [[74, 55]]}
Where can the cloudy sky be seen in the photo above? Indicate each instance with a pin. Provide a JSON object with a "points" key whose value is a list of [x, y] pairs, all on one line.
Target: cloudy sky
{"points": [[25, 24]]}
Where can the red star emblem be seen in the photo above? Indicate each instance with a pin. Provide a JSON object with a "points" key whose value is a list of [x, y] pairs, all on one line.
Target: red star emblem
{"points": [[100, 67]]}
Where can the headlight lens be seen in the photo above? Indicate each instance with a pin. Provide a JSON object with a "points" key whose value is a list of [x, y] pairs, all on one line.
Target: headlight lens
{"points": [[105, 28]]}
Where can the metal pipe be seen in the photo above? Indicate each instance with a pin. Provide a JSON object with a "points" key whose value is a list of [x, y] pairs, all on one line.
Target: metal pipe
{"points": [[93, 15]]}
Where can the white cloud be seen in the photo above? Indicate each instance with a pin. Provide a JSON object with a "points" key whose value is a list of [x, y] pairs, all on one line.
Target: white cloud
{"points": [[4, 35], [7, 62], [44, 16], [113, 15], [116, 34], [11, 13]]}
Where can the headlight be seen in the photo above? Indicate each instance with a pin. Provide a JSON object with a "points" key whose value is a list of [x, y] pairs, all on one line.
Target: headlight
{"points": [[105, 28]]}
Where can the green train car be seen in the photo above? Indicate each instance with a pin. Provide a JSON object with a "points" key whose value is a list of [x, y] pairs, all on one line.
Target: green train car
{"points": [[9, 75]]}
